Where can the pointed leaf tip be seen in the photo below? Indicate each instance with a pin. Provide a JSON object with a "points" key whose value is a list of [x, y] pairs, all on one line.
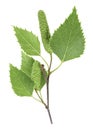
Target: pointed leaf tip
{"points": [[21, 83], [68, 40], [28, 41], [74, 9], [26, 65]]}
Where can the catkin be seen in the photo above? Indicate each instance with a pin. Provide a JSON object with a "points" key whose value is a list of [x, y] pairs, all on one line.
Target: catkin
{"points": [[43, 26], [44, 29]]}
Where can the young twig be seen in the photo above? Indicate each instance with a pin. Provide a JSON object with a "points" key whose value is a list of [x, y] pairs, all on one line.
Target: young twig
{"points": [[47, 77], [47, 85]]}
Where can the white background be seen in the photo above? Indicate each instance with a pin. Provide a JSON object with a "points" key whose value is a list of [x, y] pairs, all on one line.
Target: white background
{"points": [[71, 87]]}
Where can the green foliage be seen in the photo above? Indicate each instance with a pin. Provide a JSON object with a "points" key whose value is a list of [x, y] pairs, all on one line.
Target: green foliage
{"points": [[27, 63], [37, 76], [28, 41], [27, 79], [21, 83], [44, 29], [67, 41]]}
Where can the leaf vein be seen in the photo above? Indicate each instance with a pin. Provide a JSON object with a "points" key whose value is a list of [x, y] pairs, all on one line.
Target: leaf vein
{"points": [[28, 43]]}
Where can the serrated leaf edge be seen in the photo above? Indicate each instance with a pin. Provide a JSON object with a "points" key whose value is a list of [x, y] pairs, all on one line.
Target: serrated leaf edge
{"points": [[26, 40], [74, 9]]}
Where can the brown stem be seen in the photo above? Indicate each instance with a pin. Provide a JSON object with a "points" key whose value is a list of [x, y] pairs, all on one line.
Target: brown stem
{"points": [[48, 109], [46, 77], [45, 106], [47, 85], [50, 116]]}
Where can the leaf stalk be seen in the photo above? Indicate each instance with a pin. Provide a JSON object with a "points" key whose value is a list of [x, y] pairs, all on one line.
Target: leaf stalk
{"points": [[44, 61], [57, 67]]}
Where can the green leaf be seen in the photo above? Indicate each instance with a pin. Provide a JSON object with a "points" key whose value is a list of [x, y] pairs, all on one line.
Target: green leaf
{"points": [[27, 63], [37, 76], [21, 83], [28, 41], [68, 41], [44, 29]]}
